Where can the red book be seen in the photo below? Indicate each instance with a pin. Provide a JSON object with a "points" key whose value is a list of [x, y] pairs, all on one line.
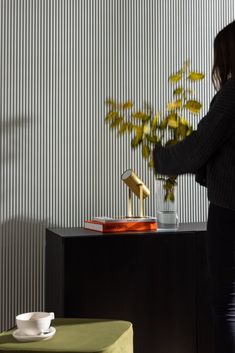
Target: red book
{"points": [[120, 226]]}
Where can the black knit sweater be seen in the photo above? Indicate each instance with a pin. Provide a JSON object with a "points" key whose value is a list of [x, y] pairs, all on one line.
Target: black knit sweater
{"points": [[209, 151]]}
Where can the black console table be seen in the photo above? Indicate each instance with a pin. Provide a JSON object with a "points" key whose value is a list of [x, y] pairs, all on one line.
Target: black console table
{"points": [[156, 280]]}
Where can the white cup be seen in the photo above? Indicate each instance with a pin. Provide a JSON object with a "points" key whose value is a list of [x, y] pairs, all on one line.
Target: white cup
{"points": [[34, 323]]}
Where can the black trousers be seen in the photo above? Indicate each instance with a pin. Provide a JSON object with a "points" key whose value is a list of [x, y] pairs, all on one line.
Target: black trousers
{"points": [[221, 261]]}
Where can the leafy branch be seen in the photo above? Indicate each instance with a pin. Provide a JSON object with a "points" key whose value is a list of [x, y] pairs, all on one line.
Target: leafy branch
{"points": [[147, 128]]}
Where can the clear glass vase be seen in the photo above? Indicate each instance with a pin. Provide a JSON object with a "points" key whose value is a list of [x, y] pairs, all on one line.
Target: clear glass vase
{"points": [[166, 211]]}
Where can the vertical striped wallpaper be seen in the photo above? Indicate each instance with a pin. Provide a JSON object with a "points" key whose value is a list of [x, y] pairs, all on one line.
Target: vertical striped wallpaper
{"points": [[59, 164]]}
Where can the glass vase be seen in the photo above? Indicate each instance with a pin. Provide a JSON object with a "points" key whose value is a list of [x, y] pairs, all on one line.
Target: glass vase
{"points": [[166, 210]]}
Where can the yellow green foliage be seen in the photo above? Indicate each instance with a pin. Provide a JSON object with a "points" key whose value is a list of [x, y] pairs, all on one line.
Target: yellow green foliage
{"points": [[193, 106], [140, 115], [127, 105], [175, 77], [123, 128], [174, 105], [195, 76], [178, 91], [172, 121], [154, 121], [150, 163], [148, 128], [145, 151], [111, 115]]}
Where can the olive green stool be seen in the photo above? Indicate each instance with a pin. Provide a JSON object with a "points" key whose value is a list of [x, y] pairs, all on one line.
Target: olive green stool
{"points": [[77, 336]]}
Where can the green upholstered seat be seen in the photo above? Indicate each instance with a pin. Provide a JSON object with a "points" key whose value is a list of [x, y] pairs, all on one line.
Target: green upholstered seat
{"points": [[77, 335]]}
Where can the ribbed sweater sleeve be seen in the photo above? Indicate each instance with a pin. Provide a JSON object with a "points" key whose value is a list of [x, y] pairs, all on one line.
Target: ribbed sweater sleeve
{"points": [[213, 131]]}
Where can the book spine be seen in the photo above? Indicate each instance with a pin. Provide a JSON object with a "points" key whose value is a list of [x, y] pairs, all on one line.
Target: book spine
{"points": [[129, 227]]}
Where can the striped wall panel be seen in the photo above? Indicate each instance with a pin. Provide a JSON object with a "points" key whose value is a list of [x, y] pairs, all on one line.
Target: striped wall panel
{"points": [[59, 164]]}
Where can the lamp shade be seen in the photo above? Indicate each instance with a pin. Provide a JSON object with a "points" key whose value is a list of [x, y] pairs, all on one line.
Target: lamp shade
{"points": [[133, 182]]}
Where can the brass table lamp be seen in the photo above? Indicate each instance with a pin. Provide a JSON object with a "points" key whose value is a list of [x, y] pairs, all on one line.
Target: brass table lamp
{"points": [[135, 185]]}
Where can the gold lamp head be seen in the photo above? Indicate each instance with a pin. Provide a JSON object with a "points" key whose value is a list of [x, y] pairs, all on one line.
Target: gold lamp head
{"points": [[137, 186]]}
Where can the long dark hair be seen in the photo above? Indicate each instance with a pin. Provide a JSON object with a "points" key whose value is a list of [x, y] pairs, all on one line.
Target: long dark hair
{"points": [[224, 56]]}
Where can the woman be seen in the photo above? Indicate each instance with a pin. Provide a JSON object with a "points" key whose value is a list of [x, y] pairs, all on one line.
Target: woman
{"points": [[209, 152]]}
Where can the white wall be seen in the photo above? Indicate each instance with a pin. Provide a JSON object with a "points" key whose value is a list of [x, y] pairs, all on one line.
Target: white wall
{"points": [[59, 60]]}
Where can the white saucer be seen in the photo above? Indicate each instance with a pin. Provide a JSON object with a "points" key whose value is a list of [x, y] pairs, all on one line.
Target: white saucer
{"points": [[20, 336]]}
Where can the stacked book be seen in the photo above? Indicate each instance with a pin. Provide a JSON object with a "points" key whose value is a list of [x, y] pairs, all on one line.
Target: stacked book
{"points": [[121, 224]]}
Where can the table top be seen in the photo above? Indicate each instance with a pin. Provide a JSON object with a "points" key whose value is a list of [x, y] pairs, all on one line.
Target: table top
{"points": [[82, 232], [77, 336]]}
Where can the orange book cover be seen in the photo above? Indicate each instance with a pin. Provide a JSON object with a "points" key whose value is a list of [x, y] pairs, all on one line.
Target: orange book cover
{"points": [[120, 226]]}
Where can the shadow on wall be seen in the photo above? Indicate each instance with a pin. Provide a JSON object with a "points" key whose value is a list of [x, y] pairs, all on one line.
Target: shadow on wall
{"points": [[12, 142], [9, 133], [22, 239], [22, 246]]}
